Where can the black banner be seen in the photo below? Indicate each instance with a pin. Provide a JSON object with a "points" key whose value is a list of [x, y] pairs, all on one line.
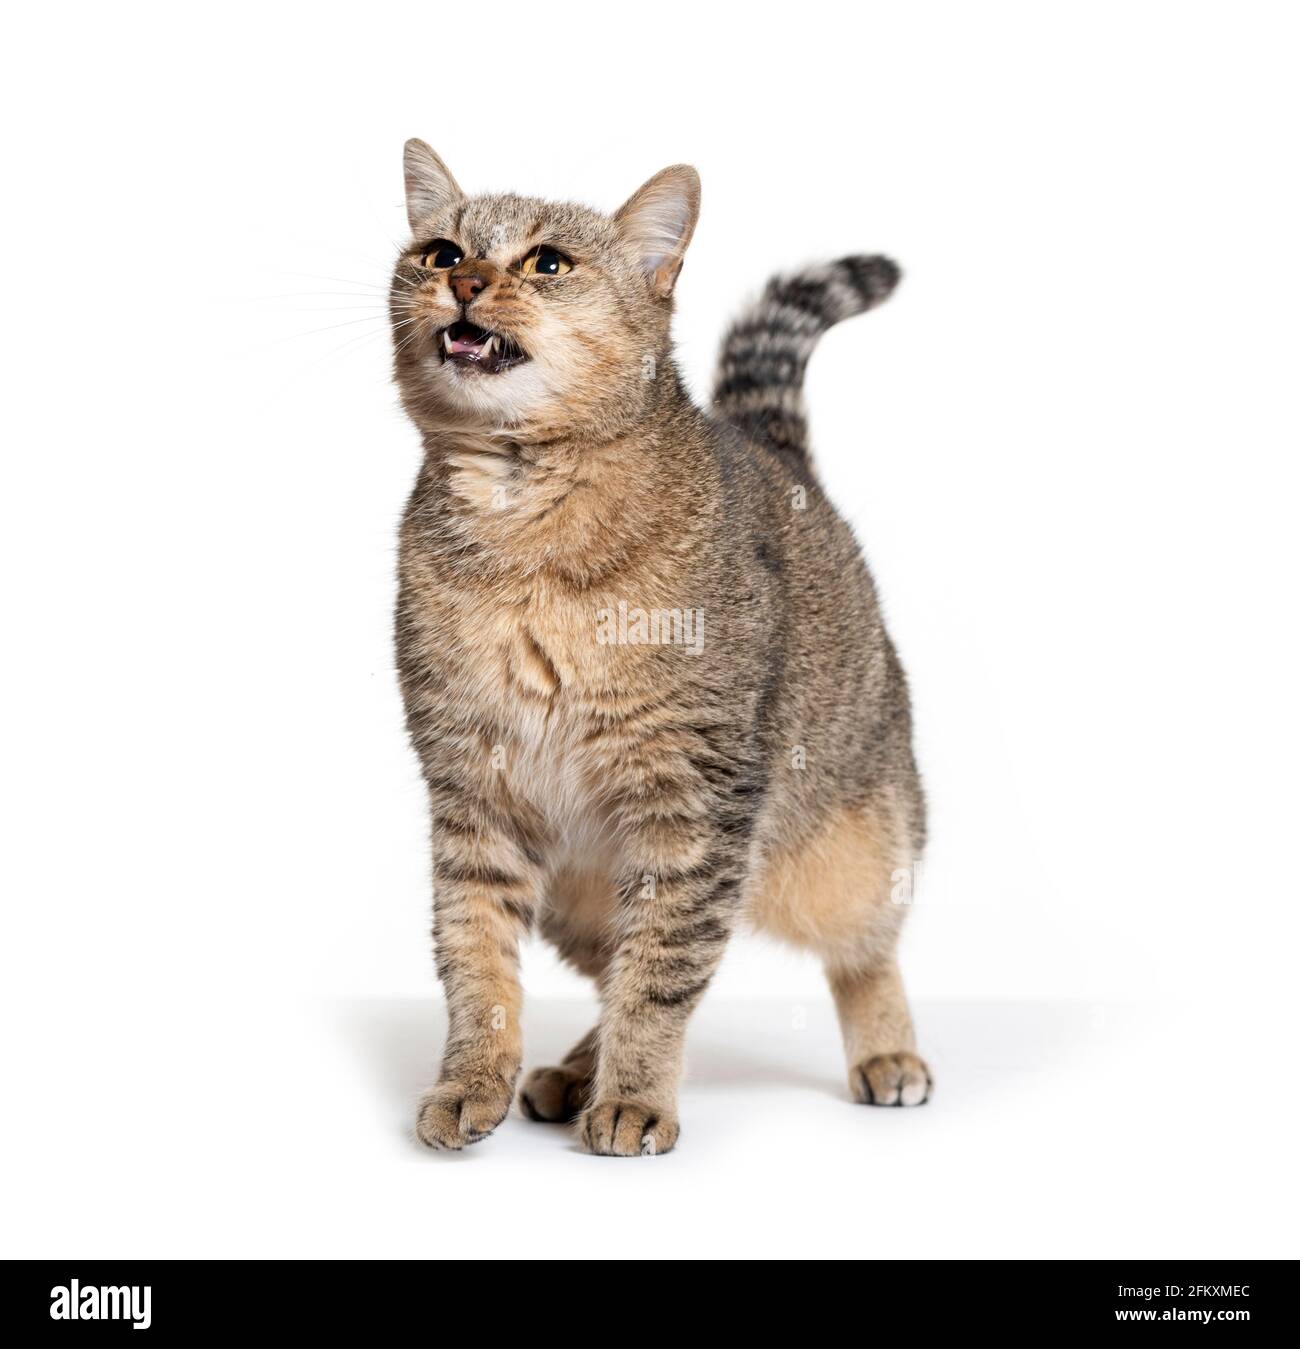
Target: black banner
{"points": [[174, 1298]]}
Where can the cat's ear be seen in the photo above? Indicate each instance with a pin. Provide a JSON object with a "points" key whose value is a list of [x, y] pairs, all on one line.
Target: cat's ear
{"points": [[429, 184], [658, 220]]}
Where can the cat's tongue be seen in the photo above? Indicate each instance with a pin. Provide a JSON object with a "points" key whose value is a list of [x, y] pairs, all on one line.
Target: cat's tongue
{"points": [[464, 339]]}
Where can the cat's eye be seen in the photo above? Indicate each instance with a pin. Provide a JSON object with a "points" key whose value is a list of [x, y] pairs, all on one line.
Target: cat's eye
{"points": [[546, 261], [441, 253]]}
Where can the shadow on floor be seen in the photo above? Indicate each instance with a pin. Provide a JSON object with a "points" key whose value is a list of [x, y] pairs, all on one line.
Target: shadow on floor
{"points": [[764, 1043]]}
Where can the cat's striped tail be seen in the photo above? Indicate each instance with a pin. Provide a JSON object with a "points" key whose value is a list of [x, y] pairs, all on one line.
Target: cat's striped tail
{"points": [[759, 384]]}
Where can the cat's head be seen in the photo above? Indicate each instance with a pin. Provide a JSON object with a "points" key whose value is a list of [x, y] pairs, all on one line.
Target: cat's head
{"points": [[511, 311]]}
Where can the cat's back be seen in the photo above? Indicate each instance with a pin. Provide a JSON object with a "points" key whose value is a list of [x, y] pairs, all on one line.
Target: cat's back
{"points": [[838, 725]]}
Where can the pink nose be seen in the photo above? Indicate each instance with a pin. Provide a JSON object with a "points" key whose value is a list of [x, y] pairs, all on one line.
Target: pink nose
{"points": [[465, 288]]}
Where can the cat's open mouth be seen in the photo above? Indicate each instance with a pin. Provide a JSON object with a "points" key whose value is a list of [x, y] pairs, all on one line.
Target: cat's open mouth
{"points": [[469, 345]]}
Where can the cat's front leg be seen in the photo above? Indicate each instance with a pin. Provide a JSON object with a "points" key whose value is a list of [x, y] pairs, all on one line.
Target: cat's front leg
{"points": [[678, 903], [485, 893]]}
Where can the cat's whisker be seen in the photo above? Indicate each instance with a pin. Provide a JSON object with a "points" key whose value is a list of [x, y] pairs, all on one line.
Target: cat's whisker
{"points": [[376, 283], [356, 340], [379, 321], [378, 295]]}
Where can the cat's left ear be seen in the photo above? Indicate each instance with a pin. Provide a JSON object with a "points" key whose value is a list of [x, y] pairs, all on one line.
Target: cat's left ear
{"points": [[658, 220], [429, 184]]}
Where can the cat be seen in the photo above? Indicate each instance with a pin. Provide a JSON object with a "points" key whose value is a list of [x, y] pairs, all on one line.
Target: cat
{"points": [[632, 796]]}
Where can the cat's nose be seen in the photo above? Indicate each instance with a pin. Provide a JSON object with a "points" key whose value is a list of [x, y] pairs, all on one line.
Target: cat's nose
{"points": [[465, 288]]}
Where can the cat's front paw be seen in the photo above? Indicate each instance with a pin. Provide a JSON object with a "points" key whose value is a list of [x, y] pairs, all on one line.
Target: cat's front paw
{"points": [[625, 1129], [891, 1079], [453, 1114]]}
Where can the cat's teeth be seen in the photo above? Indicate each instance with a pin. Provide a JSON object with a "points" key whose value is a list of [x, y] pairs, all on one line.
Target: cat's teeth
{"points": [[446, 340], [487, 347]]}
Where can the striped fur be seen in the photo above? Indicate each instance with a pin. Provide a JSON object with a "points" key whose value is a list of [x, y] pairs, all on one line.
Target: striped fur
{"points": [[759, 384]]}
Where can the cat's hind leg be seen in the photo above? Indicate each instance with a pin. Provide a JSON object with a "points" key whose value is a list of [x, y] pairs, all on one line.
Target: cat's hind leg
{"points": [[884, 1068], [838, 894], [575, 921]]}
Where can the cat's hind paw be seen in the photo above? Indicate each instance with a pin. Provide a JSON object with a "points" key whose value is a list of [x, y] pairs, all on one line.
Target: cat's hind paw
{"points": [[553, 1095], [891, 1079]]}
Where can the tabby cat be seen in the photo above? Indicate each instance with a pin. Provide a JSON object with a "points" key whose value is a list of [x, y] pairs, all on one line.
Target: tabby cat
{"points": [[643, 662]]}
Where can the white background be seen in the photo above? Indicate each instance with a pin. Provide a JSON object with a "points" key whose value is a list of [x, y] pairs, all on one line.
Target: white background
{"points": [[1068, 444]]}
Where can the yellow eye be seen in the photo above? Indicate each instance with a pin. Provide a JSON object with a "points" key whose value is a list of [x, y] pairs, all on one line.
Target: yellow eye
{"points": [[546, 261], [441, 253]]}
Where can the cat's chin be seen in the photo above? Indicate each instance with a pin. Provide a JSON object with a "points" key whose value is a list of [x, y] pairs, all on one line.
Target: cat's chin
{"points": [[479, 351], [499, 399]]}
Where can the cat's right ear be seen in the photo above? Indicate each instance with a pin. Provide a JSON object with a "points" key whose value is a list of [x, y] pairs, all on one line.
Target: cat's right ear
{"points": [[430, 188]]}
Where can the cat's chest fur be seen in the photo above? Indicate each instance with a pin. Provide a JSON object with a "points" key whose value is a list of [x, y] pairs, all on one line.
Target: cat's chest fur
{"points": [[532, 669], [529, 649]]}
